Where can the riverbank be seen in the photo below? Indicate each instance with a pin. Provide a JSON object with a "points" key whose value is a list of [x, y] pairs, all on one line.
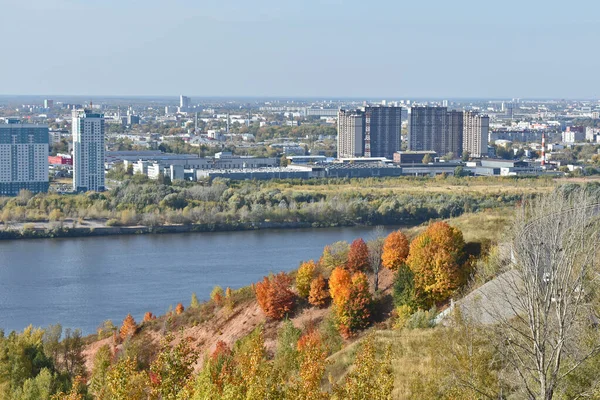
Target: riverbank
{"points": [[31, 231]]}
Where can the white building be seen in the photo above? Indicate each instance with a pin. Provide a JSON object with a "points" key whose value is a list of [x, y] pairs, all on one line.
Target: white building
{"points": [[475, 133], [23, 157], [88, 151]]}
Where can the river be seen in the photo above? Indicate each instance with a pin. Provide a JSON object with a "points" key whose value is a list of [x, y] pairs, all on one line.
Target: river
{"points": [[80, 282]]}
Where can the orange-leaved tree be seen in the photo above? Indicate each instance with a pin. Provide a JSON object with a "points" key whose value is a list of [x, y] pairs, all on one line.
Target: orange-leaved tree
{"points": [[395, 250], [354, 312], [275, 296], [313, 361], [149, 316], [358, 256], [304, 277], [318, 292], [339, 284], [179, 308], [129, 327], [436, 259]]}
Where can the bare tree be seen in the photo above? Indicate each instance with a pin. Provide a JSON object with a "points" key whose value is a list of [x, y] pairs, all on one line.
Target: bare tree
{"points": [[375, 245], [544, 305]]}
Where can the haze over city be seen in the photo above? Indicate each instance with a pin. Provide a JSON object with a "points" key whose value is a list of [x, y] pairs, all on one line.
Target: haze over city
{"points": [[460, 49]]}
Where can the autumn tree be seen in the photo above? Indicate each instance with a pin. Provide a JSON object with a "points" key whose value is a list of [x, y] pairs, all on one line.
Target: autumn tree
{"points": [[355, 313], [318, 292], [171, 373], [217, 295], [125, 382], [334, 255], [179, 308], [194, 303], [339, 285], [395, 250], [351, 299], [372, 376], [148, 316], [229, 301], [102, 363], [304, 278], [275, 296], [313, 361], [358, 256], [436, 259], [128, 328]]}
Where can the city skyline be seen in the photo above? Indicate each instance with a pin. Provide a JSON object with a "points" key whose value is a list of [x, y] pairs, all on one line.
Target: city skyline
{"points": [[268, 48]]}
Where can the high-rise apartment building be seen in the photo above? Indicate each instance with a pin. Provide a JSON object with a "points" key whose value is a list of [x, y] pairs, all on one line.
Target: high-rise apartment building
{"points": [[369, 132], [428, 129], [475, 134], [383, 127], [88, 151], [350, 140], [443, 131], [184, 103], [23, 157]]}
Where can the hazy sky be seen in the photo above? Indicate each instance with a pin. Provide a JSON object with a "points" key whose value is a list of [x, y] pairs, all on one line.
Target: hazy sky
{"points": [[327, 48]]}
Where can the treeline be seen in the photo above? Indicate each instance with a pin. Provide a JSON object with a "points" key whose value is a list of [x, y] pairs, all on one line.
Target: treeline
{"points": [[153, 204]]}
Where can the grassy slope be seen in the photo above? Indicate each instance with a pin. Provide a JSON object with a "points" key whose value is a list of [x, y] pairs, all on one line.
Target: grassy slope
{"points": [[208, 324]]}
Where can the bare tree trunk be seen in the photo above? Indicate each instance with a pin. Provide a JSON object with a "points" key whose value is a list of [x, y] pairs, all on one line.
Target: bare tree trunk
{"points": [[547, 293], [375, 245]]}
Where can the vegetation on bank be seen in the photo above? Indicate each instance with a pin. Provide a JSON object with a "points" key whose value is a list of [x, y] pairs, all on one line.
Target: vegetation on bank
{"points": [[340, 202]]}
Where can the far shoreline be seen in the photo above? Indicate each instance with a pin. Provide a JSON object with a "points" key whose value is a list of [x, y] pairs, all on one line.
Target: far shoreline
{"points": [[96, 231]]}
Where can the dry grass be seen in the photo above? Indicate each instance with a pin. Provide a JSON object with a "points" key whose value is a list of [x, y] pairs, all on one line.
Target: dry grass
{"points": [[411, 357], [487, 225], [479, 185]]}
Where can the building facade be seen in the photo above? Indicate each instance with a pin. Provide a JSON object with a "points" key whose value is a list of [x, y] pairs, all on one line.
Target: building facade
{"points": [[369, 132], [88, 151], [384, 127], [184, 103], [350, 140], [475, 134], [437, 129], [23, 158], [427, 129]]}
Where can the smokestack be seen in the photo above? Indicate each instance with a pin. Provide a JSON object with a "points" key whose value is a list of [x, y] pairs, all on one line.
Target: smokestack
{"points": [[543, 149]]}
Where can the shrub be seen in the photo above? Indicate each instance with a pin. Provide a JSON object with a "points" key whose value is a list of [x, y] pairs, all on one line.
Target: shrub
{"points": [[128, 328], [274, 295], [179, 308], [149, 316], [339, 284], [194, 303], [318, 292], [395, 250], [436, 260], [422, 319], [217, 295], [334, 255], [404, 288], [304, 278], [358, 257]]}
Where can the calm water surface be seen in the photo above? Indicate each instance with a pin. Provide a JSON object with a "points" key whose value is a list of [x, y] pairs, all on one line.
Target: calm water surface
{"points": [[80, 282]]}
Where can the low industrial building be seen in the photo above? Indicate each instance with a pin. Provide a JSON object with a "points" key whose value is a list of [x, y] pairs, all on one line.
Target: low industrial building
{"points": [[412, 157]]}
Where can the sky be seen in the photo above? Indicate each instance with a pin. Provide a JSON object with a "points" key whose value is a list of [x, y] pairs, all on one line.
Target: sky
{"points": [[392, 49]]}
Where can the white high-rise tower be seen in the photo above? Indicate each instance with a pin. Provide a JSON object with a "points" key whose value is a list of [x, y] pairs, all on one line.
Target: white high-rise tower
{"points": [[88, 151]]}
